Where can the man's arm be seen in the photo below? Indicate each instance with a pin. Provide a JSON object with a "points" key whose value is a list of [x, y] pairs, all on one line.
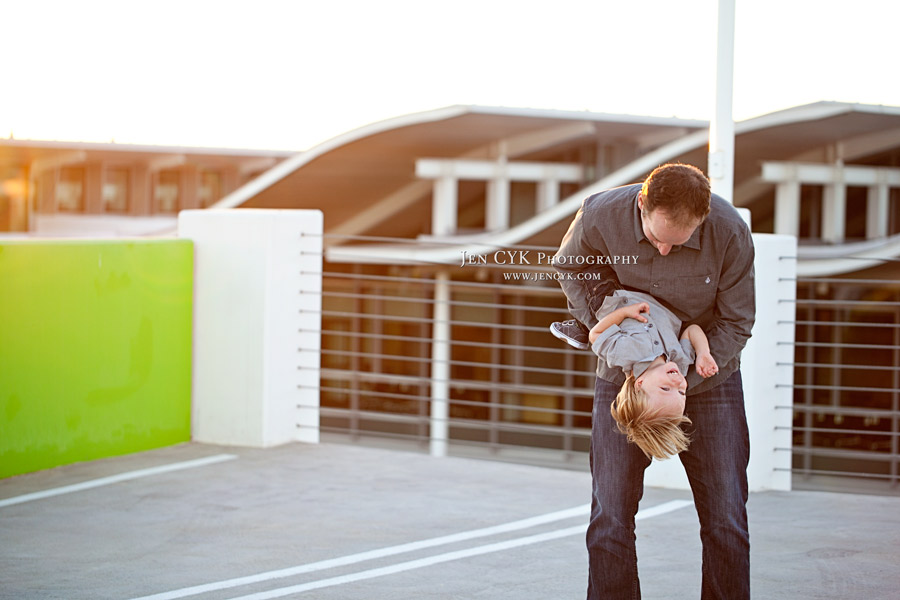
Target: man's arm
{"points": [[735, 308], [575, 244]]}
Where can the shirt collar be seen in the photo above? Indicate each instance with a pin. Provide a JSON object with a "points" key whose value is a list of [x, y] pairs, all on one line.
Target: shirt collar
{"points": [[693, 242]]}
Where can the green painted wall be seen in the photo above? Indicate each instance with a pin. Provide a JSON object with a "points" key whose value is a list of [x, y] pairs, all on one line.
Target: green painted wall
{"points": [[95, 350]]}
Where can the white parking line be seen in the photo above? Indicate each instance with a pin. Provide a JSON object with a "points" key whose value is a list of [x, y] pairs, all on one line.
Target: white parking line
{"points": [[579, 511], [448, 556], [86, 485], [373, 554]]}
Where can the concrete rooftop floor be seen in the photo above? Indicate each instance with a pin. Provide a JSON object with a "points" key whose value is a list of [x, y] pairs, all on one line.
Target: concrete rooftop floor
{"points": [[333, 521]]}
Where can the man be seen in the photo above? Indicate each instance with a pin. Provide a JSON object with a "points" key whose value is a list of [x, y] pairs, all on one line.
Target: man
{"points": [[695, 254]]}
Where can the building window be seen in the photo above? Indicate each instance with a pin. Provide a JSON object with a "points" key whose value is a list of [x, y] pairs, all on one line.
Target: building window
{"points": [[12, 199], [115, 190], [166, 194], [70, 189], [210, 188]]}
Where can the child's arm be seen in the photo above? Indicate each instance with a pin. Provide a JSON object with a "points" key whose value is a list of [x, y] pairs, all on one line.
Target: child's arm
{"points": [[705, 364], [632, 311]]}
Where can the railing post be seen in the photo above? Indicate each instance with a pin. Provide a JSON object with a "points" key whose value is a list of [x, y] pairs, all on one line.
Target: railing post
{"points": [[440, 365]]}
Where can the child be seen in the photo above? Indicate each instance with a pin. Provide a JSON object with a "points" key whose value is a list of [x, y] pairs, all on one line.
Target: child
{"points": [[640, 336]]}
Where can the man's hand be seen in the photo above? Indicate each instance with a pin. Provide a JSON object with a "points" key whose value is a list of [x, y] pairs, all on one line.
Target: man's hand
{"points": [[706, 365]]}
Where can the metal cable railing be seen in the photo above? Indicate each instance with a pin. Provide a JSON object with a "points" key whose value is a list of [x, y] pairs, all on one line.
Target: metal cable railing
{"points": [[512, 389], [846, 405]]}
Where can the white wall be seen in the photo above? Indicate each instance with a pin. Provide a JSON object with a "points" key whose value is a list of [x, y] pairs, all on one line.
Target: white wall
{"points": [[257, 284], [766, 371]]}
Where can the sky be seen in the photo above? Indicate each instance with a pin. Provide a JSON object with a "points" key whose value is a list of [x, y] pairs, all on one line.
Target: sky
{"points": [[287, 75]]}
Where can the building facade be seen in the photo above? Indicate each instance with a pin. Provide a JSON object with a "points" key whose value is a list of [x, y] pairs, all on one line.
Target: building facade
{"points": [[77, 189]]}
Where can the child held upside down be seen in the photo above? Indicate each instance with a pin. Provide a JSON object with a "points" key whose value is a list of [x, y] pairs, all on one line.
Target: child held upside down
{"points": [[639, 335]]}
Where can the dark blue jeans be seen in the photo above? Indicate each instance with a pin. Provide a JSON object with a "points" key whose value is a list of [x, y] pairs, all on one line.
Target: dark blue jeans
{"points": [[716, 466]]}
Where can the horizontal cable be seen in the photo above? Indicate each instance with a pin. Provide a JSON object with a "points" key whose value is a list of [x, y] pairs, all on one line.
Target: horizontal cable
{"points": [[451, 442], [450, 282], [523, 307], [834, 280], [455, 401], [828, 409], [839, 431], [866, 455], [842, 388], [456, 263], [867, 258], [837, 345], [842, 302], [374, 317], [453, 362], [500, 426], [842, 324], [429, 340], [838, 367], [432, 242], [343, 375], [802, 471]]}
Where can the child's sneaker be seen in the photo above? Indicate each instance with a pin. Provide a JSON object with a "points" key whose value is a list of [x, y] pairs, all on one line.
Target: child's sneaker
{"points": [[571, 332]]}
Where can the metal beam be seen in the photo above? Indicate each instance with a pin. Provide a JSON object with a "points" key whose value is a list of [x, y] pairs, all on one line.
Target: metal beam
{"points": [[856, 175], [485, 170]]}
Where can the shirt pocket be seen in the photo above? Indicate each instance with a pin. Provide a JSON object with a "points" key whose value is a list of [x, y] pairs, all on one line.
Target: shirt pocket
{"points": [[696, 293]]}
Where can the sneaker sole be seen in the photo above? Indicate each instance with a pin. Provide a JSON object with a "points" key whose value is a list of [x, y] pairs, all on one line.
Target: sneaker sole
{"points": [[577, 345]]}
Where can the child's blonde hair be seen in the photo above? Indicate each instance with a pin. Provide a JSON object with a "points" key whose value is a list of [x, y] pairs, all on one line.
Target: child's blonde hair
{"points": [[658, 436]]}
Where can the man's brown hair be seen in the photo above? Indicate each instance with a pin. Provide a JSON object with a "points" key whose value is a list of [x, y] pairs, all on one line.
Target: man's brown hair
{"points": [[658, 436], [681, 191]]}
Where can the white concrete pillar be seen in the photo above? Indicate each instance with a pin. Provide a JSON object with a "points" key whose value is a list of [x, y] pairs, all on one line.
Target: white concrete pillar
{"points": [[767, 372], [787, 208], [257, 324], [496, 216], [444, 206], [834, 212], [877, 211], [547, 194], [440, 365]]}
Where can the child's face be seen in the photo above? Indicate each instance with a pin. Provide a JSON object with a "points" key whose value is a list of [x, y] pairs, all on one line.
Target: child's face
{"points": [[664, 386]]}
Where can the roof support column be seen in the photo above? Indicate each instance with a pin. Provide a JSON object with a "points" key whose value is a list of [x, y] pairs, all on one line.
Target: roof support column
{"points": [[834, 210], [443, 206], [877, 211], [496, 216], [787, 208], [547, 194]]}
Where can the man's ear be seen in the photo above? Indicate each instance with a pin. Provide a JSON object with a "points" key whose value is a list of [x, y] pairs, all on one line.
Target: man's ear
{"points": [[641, 200]]}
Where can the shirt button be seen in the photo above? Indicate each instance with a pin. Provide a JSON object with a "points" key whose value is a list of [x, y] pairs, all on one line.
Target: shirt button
{"points": [[650, 325], [656, 285], [655, 343]]}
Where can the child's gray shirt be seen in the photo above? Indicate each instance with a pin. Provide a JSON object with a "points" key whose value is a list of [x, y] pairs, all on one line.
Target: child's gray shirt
{"points": [[633, 345]]}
